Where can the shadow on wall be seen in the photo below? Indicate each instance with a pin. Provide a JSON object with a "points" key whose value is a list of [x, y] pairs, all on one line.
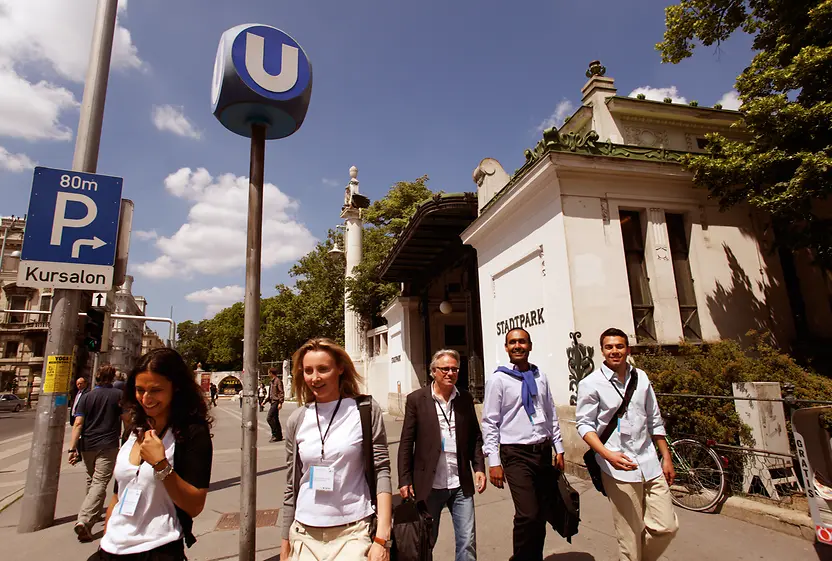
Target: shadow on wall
{"points": [[737, 309]]}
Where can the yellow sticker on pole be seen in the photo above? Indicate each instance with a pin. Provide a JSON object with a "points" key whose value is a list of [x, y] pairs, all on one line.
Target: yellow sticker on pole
{"points": [[58, 374]]}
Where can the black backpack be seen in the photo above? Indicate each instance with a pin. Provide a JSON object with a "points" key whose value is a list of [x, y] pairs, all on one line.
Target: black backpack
{"points": [[565, 508]]}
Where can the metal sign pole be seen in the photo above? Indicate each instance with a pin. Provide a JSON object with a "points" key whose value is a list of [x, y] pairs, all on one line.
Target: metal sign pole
{"points": [[251, 331], [41, 493]]}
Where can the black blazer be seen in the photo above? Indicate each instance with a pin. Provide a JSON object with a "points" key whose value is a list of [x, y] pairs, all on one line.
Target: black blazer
{"points": [[421, 442]]}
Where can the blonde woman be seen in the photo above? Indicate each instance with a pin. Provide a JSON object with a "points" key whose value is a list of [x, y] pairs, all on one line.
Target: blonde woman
{"points": [[329, 512]]}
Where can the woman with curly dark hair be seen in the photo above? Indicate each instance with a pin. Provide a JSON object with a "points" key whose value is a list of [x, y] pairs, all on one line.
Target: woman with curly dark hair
{"points": [[163, 470]]}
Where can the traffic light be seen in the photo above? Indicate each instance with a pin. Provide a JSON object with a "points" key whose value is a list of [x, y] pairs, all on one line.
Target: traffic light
{"points": [[94, 330]]}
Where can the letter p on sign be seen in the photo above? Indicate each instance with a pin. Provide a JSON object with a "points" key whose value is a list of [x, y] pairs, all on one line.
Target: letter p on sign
{"points": [[60, 220]]}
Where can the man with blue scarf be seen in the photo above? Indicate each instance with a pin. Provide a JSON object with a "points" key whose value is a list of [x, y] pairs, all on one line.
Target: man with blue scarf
{"points": [[519, 428]]}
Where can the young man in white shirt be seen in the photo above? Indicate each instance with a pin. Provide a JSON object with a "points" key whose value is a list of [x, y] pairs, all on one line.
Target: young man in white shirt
{"points": [[635, 481], [520, 428]]}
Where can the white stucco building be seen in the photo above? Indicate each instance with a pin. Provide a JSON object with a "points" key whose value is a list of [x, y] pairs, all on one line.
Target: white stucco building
{"points": [[600, 227]]}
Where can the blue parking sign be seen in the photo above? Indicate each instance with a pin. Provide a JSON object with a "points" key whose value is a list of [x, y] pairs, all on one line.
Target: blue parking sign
{"points": [[71, 230]]}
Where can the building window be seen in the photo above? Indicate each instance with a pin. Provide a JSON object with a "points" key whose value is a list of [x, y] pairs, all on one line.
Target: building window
{"points": [[679, 252], [640, 296], [38, 347], [17, 303], [46, 303], [11, 349]]}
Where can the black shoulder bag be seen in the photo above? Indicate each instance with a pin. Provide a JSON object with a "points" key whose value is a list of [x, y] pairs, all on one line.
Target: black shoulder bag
{"points": [[365, 413], [589, 457]]}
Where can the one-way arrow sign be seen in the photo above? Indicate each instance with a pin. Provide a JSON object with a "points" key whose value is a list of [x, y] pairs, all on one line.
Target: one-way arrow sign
{"points": [[99, 300]]}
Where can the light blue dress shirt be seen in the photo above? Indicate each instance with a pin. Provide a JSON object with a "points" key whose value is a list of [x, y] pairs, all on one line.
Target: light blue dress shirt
{"points": [[505, 421], [598, 401]]}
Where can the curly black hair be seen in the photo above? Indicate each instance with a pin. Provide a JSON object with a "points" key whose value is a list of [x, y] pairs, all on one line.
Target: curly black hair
{"points": [[188, 406]]}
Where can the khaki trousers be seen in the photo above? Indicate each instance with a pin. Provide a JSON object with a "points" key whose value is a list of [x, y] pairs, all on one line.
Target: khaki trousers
{"points": [[100, 465], [645, 521], [350, 542]]}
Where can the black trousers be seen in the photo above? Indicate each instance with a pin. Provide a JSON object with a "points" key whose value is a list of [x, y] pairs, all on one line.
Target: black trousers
{"points": [[528, 468], [274, 421], [174, 551]]}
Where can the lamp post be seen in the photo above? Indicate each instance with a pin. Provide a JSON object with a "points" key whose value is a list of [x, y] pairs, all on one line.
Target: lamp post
{"points": [[354, 202]]}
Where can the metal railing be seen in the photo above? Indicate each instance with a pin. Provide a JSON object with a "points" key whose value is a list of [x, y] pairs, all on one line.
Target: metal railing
{"points": [[752, 471], [171, 340]]}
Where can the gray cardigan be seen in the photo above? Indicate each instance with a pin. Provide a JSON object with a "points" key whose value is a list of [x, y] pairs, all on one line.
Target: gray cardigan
{"points": [[381, 457]]}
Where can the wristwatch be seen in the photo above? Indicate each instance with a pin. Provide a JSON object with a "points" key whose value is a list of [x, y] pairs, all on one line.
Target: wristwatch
{"points": [[382, 542], [161, 474]]}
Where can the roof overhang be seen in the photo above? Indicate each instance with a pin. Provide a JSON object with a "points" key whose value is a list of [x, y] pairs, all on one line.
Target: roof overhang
{"points": [[705, 117], [431, 234]]}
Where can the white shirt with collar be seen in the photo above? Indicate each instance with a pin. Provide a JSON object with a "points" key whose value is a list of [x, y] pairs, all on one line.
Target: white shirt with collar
{"points": [[598, 401], [505, 421], [447, 469]]}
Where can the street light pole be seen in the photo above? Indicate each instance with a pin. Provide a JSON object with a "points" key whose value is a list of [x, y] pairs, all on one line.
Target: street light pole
{"points": [[251, 337], [41, 492]]}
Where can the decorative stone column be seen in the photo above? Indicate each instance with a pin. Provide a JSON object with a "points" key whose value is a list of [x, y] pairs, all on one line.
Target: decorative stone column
{"points": [[354, 226]]}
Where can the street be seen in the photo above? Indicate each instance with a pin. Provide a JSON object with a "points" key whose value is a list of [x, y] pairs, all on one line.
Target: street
{"points": [[701, 536], [15, 424]]}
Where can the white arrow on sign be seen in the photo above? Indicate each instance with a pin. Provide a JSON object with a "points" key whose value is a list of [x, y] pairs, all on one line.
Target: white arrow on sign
{"points": [[95, 243]]}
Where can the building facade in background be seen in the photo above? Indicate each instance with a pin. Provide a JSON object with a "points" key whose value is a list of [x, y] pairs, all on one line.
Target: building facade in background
{"points": [[127, 335], [22, 336], [150, 340], [601, 226]]}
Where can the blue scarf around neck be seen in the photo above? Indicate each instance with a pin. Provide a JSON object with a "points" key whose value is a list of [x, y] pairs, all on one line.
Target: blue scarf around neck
{"points": [[529, 389]]}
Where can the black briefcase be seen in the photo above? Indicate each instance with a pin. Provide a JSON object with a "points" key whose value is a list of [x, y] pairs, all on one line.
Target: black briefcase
{"points": [[412, 526], [564, 507]]}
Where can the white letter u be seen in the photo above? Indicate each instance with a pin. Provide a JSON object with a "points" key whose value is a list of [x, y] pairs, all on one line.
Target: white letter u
{"points": [[288, 76]]}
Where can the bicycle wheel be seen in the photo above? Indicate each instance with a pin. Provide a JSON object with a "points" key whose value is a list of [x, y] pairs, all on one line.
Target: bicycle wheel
{"points": [[700, 480]]}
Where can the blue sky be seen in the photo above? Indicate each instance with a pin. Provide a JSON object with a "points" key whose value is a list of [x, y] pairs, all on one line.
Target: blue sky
{"points": [[401, 89]]}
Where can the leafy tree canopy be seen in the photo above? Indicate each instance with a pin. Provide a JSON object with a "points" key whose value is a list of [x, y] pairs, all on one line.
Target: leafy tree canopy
{"points": [[384, 221], [785, 168]]}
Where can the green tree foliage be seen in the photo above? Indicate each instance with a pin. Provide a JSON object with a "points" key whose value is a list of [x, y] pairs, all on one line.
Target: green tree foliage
{"points": [[314, 307], [194, 342], [710, 371], [384, 221], [786, 166]]}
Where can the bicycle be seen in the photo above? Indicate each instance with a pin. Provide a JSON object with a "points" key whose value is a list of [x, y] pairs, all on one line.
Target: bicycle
{"points": [[700, 478]]}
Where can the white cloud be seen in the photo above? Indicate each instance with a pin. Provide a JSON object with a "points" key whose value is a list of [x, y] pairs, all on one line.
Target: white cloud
{"points": [[59, 33], [32, 111], [730, 100], [14, 162], [330, 182], [563, 110], [51, 38], [658, 94], [170, 118], [145, 235], [216, 298], [213, 240]]}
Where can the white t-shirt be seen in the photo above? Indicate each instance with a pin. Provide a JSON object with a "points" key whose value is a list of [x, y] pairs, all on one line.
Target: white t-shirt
{"points": [[154, 522], [349, 500], [447, 470]]}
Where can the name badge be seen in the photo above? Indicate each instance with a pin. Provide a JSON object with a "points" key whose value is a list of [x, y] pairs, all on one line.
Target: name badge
{"points": [[322, 478], [624, 427], [448, 442], [539, 417], [129, 501]]}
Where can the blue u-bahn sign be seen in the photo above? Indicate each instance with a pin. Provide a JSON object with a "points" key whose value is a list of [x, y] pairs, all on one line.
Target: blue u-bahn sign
{"points": [[261, 75]]}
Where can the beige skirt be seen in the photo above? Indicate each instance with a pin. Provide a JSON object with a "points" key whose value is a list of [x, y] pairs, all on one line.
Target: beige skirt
{"points": [[350, 542]]}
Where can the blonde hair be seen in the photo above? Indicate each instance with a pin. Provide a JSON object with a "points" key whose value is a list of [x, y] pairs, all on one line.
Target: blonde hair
{"points": [[349, 382]]}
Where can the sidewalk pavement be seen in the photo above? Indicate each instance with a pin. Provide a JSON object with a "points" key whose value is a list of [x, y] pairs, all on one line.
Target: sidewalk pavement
{"points": [[701, 536]]}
